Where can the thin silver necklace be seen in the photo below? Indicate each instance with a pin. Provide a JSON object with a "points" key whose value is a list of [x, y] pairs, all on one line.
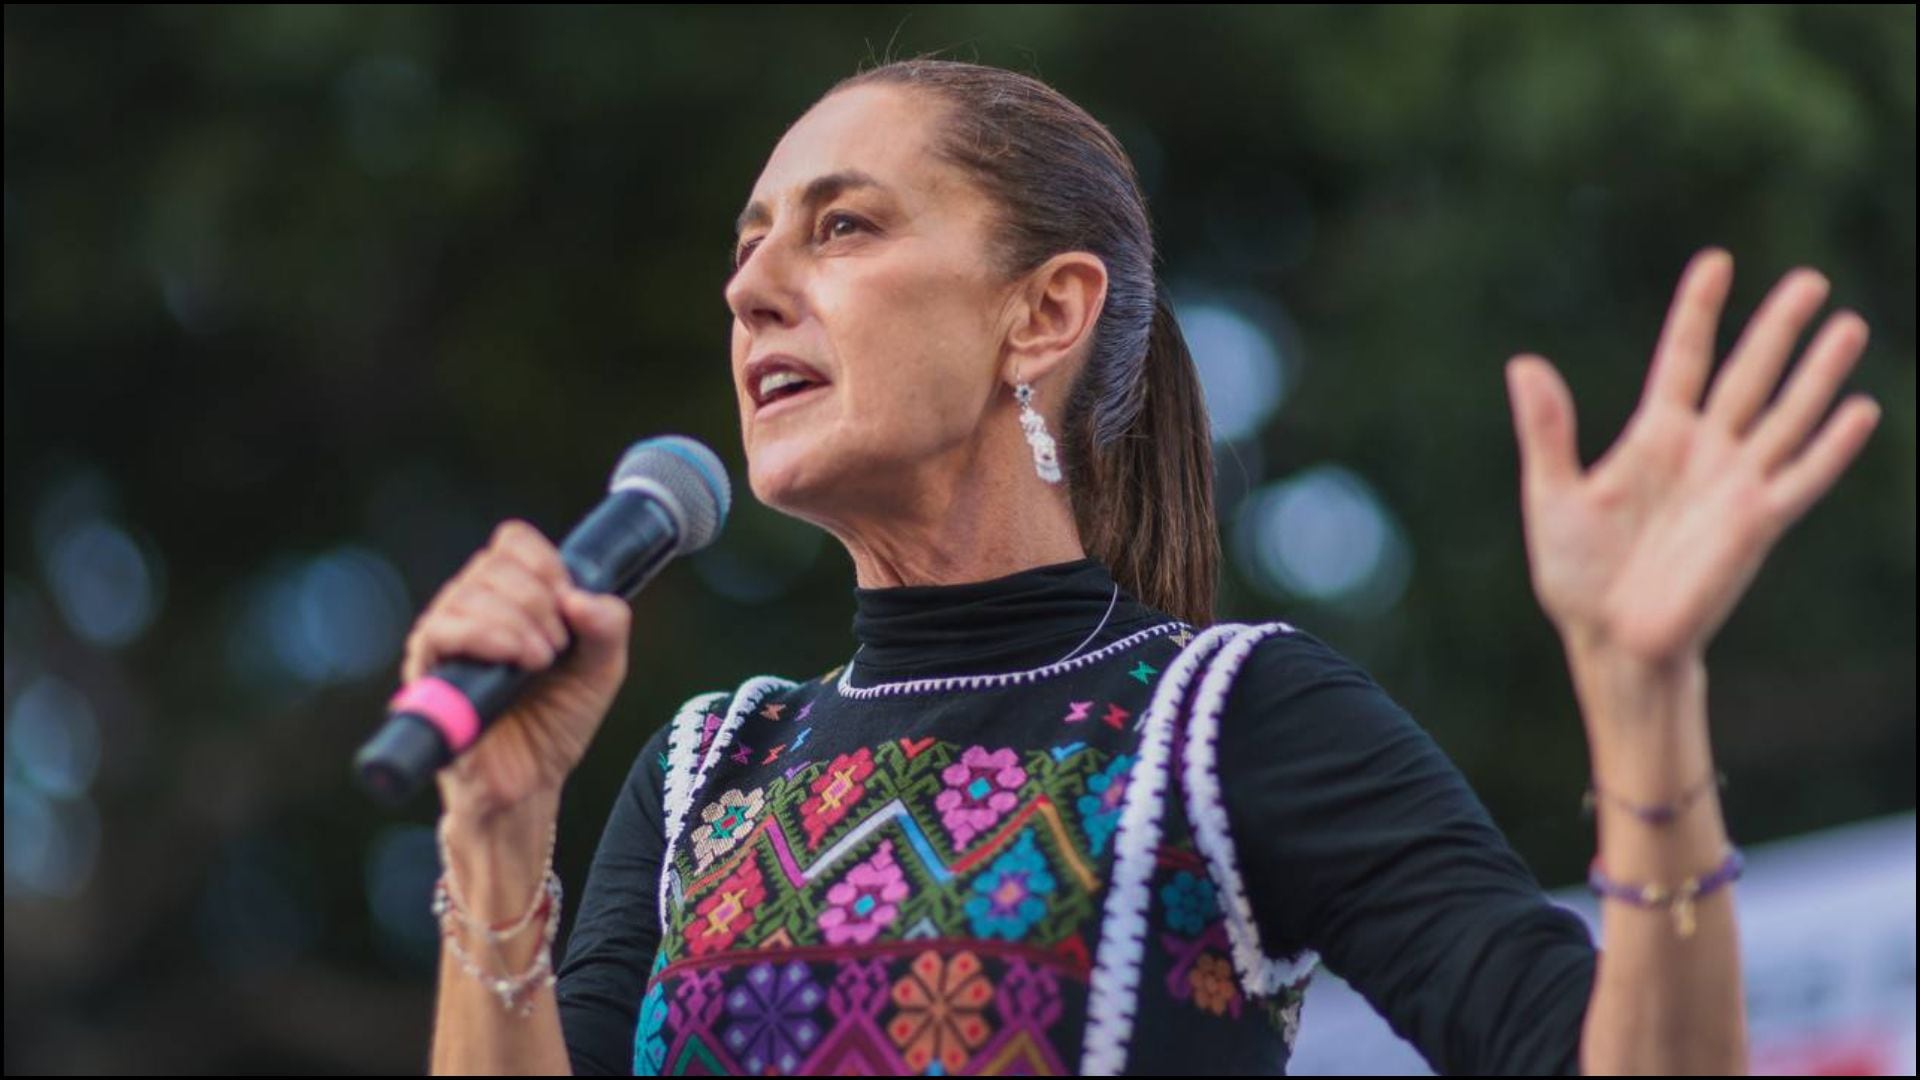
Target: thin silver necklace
{"points": [[1076, 649], [1097, 629]]}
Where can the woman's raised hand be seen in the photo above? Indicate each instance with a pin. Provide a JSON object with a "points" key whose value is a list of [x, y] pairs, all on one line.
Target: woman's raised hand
{"points": [[1649, 550], [514, 602]]}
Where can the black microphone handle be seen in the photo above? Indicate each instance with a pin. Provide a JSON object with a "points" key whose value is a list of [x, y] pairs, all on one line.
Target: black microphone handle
{"points": [[621, 545], [617, 548]]}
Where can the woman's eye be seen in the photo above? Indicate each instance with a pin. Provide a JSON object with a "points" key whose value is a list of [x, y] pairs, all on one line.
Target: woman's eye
{"points": [[831, 219], [829, 222]]}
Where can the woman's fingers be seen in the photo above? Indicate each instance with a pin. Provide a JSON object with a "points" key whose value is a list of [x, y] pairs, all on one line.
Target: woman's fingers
{"points": [[447, 634], [1798, 486], [492, 609], [503, 606], [530, 548], [1683, 356], [1810, 389], [538, 599], [1544, 421], [1753, 368]]}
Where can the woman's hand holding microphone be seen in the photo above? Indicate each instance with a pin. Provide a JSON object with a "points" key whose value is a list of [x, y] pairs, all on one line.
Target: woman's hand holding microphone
{"points": [[513, 602], [560, 616]]}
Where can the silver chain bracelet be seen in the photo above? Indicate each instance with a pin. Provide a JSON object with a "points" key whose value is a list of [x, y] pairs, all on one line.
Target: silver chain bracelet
{"points": [[449, 909]]}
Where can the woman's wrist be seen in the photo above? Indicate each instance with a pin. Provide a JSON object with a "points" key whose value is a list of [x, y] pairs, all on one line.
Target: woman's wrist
{"points": [[470, 797], [1622, 696], [498, 861]]}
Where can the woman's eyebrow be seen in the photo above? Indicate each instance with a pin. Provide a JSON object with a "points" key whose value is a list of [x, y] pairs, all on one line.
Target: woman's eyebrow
{"points": [[818, 190]]}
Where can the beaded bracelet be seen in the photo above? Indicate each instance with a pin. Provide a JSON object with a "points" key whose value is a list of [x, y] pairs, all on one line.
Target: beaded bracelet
{"points": [[446, 903], [546, 901], [1658, 814], [539, 973], [1680, 899]]}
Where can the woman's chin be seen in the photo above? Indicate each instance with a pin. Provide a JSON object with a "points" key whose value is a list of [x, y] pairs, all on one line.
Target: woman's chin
{"points": [[780, 474]]}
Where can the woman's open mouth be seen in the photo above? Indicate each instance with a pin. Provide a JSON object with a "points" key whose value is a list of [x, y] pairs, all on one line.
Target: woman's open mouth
{"points": [[785, 398], [776, 381]]}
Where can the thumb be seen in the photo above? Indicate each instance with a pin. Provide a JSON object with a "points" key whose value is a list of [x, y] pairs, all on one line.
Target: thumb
{"points": [[600, 623], [1543, 419]]}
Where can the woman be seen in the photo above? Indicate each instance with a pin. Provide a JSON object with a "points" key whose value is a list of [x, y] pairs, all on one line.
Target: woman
{"points": [[1046, 818]]}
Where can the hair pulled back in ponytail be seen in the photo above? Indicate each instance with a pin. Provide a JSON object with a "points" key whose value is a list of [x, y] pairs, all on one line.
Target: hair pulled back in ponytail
{"points": [[1144, 497], [1137, 449]]}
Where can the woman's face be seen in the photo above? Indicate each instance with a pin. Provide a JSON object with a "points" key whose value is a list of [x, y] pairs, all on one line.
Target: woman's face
{"points": [[879, 281]]}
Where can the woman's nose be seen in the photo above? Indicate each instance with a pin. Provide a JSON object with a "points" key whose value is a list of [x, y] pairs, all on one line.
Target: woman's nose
{"points": [[759, 291]]}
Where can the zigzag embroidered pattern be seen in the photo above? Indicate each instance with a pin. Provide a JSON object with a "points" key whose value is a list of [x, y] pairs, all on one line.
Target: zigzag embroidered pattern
{"points": [[923, 905]]}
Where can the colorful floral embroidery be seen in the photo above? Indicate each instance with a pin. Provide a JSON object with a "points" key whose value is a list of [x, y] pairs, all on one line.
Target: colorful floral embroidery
{"points": [[835, 791], [649, 1045], [727, 819], [866, 901], [1011, 896], [1214, 988], [772, 1011], [1100, 808], [726, 911], [917, 905], [981, 787], [1191, 902], [939, 1021]]}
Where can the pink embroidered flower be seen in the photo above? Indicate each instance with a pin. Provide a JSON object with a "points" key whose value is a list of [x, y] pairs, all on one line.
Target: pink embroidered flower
{"points": [[835, 792], [866, 901], [981, 787], [725, 821], [728, 910]]}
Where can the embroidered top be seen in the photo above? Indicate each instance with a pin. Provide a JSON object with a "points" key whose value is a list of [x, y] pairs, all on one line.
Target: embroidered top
{"points": [[993, 843]]}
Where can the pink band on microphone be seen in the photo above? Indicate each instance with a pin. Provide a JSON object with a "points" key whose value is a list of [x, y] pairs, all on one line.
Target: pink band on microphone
{"points": [[441, 704]]}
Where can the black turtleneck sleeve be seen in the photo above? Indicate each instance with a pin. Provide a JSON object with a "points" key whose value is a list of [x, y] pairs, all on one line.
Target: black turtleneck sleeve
{"points": [[610, 950], [1361, 840]]}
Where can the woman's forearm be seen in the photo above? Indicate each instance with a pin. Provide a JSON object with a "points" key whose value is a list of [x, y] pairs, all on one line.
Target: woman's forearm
{"points": [[498, 865], [1662, 1003]]}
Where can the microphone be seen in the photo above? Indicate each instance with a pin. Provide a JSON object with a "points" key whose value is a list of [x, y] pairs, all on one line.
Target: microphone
{"points": [[669, 496]]}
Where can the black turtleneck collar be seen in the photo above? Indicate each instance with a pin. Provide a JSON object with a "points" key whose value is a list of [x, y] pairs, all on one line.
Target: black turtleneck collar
{"points": [[1023, 620]]}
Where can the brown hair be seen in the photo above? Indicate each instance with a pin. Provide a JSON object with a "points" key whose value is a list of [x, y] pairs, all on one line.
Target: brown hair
{"points": [[1137, 451]]}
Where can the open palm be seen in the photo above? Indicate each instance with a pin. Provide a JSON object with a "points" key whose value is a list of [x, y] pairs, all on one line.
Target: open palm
{"points": [[1650, 548]]}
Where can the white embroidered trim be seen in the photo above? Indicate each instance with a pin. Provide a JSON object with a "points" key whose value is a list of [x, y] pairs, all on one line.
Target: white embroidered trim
{"points": [[683, 738], [744, 701], [1012, 678], [683, 777], [1113, 996], [1260, 975]]}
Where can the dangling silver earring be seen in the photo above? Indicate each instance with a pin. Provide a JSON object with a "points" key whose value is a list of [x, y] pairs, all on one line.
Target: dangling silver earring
{"points": [[1044, 460]]}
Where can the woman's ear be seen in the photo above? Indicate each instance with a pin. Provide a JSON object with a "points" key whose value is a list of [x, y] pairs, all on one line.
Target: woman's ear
{"points": [[1052, 317]]}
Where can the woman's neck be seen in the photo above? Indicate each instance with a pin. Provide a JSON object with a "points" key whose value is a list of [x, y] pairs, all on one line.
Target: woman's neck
{"points": [[954, 545], [892, 567]]}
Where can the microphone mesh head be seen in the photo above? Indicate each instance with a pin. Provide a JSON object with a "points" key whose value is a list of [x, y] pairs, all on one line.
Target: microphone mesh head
{"points": [[694, 482]]}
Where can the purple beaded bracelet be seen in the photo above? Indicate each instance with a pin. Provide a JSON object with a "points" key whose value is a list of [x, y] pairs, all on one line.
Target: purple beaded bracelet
{"points": [[1657, 896]]}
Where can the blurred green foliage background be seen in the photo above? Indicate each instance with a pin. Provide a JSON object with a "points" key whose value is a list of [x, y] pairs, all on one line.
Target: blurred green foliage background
{"points": [[301, 300]]}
